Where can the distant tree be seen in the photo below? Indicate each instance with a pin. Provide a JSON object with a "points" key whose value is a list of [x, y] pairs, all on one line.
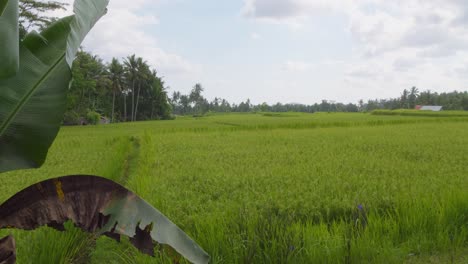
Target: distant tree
{"points": [[175, 98], [351, 108], [264, 107], [185, 104], [404, 99], [216, 102], [195, 103], [116, 76], [196, 93], [372, 105], [324, 106], [225, 106], [413, 95], [143, 79], [196, 99], [244, 107], [32, 14], [158, 103], [425, 98], [464, 102], [131, 69], [88, 89], [361, 105], [98, 87]]}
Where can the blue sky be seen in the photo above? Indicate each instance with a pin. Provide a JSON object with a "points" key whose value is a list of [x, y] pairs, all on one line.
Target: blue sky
{"points": [[293, 50]]}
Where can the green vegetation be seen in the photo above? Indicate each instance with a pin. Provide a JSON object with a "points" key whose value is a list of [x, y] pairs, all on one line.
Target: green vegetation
{"points": [[32, 102], [194, 103], [263, 188], [33, 14], [127, 91], [406, 112]]}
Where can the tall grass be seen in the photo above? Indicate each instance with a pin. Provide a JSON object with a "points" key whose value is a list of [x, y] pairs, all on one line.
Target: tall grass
{"points": [[266, 189], [99, 156], [289, 196]]}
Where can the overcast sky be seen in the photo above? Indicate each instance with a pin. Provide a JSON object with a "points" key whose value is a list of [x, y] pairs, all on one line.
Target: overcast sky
{"points": [[292, 50]]}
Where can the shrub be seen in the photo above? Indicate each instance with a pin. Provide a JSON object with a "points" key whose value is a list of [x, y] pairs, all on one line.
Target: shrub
{"points": [[71, 118], [93, 117]]}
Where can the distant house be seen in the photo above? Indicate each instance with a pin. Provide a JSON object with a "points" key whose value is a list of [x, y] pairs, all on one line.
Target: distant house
{"points": [[435, 108]]}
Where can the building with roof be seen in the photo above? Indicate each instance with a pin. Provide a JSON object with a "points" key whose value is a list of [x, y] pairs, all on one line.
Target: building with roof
{"points": [[434, 108]]}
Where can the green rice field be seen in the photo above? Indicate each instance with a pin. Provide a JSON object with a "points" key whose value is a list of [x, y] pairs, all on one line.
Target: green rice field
{"points": [[273, 188]]}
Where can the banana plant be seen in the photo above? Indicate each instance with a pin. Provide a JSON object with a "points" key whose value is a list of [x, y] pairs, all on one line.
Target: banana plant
{"points": [[34, 78], [9, 31]]}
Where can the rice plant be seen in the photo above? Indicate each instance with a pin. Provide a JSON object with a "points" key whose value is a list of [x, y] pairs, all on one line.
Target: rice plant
{"points": [[255, 188]]}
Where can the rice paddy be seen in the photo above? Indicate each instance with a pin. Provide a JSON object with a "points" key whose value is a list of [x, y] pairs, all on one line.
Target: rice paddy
{"points": [[274, 188]]}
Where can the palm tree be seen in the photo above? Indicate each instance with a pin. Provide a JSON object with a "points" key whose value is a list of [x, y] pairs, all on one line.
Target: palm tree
{"points": [[404, 99], [116, 72], [143, 74], [414, 92], [131, 68]]}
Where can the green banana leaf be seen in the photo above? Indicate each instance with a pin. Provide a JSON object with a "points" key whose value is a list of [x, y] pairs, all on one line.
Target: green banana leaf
{"points": [[9, 38], [33, 101], [3, 4], [100, 206]]}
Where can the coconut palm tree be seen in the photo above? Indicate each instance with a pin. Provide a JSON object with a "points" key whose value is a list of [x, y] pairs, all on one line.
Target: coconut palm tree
{"points": [[404, 99], [413, 95], [143, 76], [131, 69], [116, 74]]}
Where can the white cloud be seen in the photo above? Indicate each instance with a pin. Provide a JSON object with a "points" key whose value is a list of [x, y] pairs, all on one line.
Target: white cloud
{"points": [[288, 9], [296, 66], [397, 44], [379, 26], [255, 36], [293, 13], [124, 31], [409, 42]]}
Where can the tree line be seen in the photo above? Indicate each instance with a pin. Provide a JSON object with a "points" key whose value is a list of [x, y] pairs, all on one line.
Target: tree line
{"points": [[409, 99], [123, 91], [195, 103], [129, 90]]}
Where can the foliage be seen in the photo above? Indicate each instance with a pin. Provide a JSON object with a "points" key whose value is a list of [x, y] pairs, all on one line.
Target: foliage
{"points": [[196, 104], [409, 99], [116, 74], [72, 118], [32, 14], [93, 117], [9, 48], [87, 86], [108, 89], [31, 113], [187, 105]]}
